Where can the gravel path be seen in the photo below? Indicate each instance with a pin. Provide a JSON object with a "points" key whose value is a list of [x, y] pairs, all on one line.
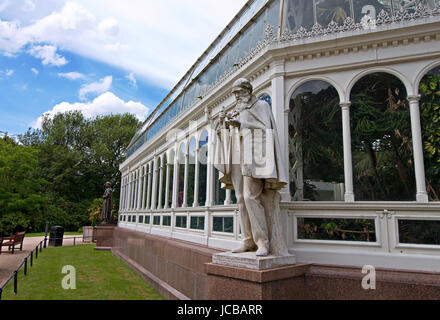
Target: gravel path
{"points": [[9, 262]]}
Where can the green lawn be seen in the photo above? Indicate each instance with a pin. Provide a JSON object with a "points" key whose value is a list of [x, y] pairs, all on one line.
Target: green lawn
{"points": [[99, 276], [41, 234]]}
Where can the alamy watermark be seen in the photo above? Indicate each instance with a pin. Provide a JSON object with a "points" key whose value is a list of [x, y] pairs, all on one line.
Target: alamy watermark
{"points": [[369, 281], [69, 281]]}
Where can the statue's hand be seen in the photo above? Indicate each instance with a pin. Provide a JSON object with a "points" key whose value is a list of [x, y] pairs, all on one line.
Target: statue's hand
{"points": [[234, 123], [222, 116]]}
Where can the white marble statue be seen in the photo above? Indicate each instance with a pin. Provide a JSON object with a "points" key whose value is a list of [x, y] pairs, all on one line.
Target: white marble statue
{"points": [[249, 158]]}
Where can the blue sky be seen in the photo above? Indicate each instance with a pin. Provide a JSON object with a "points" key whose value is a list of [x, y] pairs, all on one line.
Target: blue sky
{"points": [[98, 56]]}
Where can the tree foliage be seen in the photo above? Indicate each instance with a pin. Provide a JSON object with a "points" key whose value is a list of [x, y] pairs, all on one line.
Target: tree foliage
{"points": [[54, 173], [430, 117], [381, 140]]}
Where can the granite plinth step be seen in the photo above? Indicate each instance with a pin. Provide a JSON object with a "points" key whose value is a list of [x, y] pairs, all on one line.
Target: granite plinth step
{"points": [[250, 261]]}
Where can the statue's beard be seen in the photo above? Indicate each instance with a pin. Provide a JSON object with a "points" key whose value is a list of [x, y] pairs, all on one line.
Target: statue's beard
{"points": [[243, 100]]}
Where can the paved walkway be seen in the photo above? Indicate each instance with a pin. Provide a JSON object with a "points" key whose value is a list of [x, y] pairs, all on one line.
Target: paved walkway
{"points": [[10, 262]]}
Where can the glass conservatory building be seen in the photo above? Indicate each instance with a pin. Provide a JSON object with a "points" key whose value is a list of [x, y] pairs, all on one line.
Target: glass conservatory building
{"points": [[354, 87]]}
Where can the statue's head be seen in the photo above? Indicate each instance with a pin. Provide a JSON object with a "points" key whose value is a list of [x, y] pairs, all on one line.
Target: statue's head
{"points": [[242, 89], [107, 184]]}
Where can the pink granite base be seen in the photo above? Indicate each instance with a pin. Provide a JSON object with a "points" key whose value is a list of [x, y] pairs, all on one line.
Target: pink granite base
{"points": [[104, 237], [176, 269], [182, 270], [234, 283]]}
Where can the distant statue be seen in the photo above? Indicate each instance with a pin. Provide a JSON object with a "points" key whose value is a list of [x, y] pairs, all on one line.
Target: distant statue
{"points": [[107, 206], [249, 158]]}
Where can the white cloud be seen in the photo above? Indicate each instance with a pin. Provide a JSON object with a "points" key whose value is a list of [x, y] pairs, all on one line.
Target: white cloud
{"points": [[4, 4], [106, 103], [130, 77], [48, 55], [109, 27], [35, 71], [159, 40], [99, 87], [6, 73], [72, 75], [28, 5]]}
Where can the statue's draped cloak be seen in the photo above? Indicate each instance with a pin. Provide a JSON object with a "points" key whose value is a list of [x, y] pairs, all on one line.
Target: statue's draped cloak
{"points": [[238, 147], [244, 147], [107, 206]]}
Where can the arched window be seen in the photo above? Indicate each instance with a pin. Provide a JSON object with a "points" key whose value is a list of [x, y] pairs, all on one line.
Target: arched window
{"points": [[191, 172], [171, 179], [381, 139], [203, 167], [429, 89], [315, 143], [181, 176], [157, 181], [267, 98]]}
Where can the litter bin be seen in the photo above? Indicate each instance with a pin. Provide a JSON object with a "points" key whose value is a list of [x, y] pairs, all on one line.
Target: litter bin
{"points": [[56, 236]]}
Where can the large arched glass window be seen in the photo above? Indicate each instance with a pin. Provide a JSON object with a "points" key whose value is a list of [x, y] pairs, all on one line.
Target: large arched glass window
{"points": [[315, 143], [181, 176], [203, 167], [381, 140], [170, 179], [191, 172], [430, 119]]}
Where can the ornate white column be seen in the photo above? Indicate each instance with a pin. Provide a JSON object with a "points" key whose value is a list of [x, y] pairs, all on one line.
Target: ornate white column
{"points": [[153, 185], [278, 108], [167, 184], [144, 192], [348, 162], [140, 190], [416, 129], [196, 178], [133, 192], [159, 205], [210, 166], [129, 192], [175, 178], [121, 195], [185, 181], [125, 193], [150, 177]]}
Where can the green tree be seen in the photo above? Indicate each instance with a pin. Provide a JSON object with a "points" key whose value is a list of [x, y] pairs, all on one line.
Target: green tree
{"points": [[76, 156], [20, 197]]}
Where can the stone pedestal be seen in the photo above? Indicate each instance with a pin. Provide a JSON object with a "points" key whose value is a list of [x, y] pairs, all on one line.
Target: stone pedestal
{"points": [[244, 276], [235, 283], [249, 260], [104, 237]]}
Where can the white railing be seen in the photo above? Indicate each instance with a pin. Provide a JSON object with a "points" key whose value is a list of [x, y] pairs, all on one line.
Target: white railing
{"points": [[383, 249]]}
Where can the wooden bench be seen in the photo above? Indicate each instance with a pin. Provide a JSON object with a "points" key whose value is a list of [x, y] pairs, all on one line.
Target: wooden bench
{"points": [[12, 241]]}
